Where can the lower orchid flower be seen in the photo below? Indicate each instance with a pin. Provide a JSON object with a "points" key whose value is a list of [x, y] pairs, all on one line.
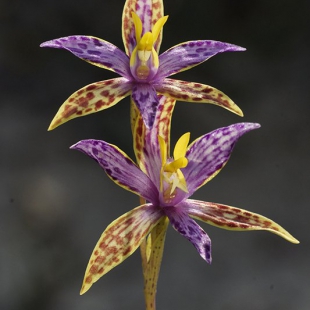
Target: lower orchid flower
{"points": [[166, 185]]}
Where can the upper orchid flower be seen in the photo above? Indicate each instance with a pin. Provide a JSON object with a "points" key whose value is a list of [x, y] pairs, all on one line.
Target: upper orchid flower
{"points": [[144, 72], [167, 185]]}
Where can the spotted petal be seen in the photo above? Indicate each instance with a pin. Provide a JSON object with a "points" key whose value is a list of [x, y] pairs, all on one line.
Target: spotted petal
{"points": [[146, 100], [232, 218], [208, 154], [119, 167], [95, 51], [189, 229], [146, 140], [189, 54], [120, 239], [196, 92], [92, 98], [149, 12]]}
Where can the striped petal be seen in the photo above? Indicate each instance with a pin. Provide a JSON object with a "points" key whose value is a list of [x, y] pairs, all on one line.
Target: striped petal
{"points": [[189, 229], [120, 239], [95, 51], [149, 12], [119, 167], [189, 54], [146, 100], [208, 154], [196, 92], [146, 140], [232, 218], [92, 98]]}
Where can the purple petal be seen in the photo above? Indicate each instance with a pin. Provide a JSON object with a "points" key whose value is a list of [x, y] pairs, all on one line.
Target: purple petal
{"points": [[188, 54], [189, 229], [208, 154], [119, 167], [146, 100], [96, 51]]}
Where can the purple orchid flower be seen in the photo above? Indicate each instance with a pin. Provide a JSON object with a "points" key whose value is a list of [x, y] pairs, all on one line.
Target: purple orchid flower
{"points": [[166, 186], [143, 73]]}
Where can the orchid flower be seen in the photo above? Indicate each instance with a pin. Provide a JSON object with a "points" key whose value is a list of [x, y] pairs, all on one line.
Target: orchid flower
{"points": [[167, 186], [144, 73]]}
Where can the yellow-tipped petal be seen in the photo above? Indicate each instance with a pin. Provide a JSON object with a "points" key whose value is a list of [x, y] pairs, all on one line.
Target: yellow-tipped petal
{"points": [[120, 239]]}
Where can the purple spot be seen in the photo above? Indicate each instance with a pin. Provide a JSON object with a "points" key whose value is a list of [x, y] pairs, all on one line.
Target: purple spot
{"points": [[82, 46], [201, 49], [97, 53], [75, 50], [97, 42]]}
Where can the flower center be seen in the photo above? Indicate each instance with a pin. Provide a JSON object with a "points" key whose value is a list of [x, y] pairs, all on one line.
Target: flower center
{"points": [[144, 59], [171, 176]]}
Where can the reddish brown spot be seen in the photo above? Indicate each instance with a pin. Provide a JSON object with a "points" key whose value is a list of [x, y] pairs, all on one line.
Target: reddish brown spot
{"points": [[71, 99], [127, 251], [222, 207], [93, 269], [115, 259], [99, 104], [88, 110], [111, 250], [81, 91], [100, 259], [82, 102], [207, 90], [247, 214], [101, 270], [90, 96], [109, 82], [89, 279], [79, 112], [244, 226], [102, 246], [267, 223], [96, 252], [236, 210], [105, 93], [91, 87], [68, 113]]}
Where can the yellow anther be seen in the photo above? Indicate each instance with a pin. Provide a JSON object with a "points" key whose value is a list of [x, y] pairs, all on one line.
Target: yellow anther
{"points": [[181, 146], [176, 164], [170, 172], [144, 47]]}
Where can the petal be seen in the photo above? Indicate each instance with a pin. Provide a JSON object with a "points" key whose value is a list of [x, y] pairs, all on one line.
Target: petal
{"points": [[92, 98], [154, 253], [146, 100], [146, 140], [189, 54], [120, 239], [95, 51], [196, 92], [189, 229], [119, 167], [149, 12], [208, 154], [232, 218]]}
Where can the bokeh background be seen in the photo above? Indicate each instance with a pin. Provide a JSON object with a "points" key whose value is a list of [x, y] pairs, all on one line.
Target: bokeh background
{"points": [[55, 202]]}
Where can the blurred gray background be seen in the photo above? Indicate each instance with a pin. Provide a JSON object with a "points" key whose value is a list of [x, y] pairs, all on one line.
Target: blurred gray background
{"points": [[55, 202]]}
